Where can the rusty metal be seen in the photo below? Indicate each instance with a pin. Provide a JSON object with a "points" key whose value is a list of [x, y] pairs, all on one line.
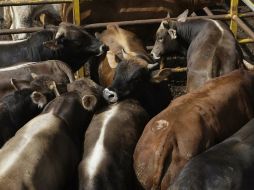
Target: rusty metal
{"points": [[243, 26], [31, 2]]}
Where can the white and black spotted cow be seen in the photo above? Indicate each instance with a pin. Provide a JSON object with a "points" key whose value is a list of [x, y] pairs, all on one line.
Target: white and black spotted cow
{"points": [[212, 50]]}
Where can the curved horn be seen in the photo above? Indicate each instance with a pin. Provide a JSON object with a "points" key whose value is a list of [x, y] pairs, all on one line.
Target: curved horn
{"points": [[54, 88], [152, 66], [248, 65], [34, 75], [59, 33], [13, 84]]}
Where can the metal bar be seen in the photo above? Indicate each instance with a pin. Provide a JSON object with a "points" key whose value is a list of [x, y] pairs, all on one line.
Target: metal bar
{"points": [[20, 30], [247, 40], [249, 4], [31, 2], [76, 12], [233, 12], [243, 26], [208, 11], [151, 21], [178, 69]]}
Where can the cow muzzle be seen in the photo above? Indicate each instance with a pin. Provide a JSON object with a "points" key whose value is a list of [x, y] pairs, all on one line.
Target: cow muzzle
{"points": [[155, 57], [110, 96], [103, 49]]}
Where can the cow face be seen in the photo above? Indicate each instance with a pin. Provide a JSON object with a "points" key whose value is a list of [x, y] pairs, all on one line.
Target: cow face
{"points": [[166, 37], [131, 76], [90, 92], [74, 40]]}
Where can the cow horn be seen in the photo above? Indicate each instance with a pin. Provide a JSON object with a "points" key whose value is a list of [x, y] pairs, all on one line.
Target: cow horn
{"points": [[59, 34], [152, 66], [13, 84], [168, 15], [248, 65], [54, 88], [34, 75]]}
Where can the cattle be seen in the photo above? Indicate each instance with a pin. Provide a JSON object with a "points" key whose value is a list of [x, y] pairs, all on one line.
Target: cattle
{"points": [[191, 124], [132, 72], [211, 48], [70, 43], [45, 152], [109, 145], [228, 165], [19, 107], [42, 72], [26, 16]]}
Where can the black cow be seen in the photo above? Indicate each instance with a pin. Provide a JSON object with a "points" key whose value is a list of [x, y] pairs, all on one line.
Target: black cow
{"points": [[18, 108], [44, 154], [109, 145], [71, 44], [226, 166], [211, 48], [41, 71]]}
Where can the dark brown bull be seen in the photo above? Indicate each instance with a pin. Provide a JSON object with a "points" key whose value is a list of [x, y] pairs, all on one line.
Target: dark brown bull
{"points": [[212, 50], [191, 124], [25, 73], [44, 154]]}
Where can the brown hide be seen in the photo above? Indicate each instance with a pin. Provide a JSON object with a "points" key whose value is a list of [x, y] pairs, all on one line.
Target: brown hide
{"points": [[191, 124], [117, 39]]}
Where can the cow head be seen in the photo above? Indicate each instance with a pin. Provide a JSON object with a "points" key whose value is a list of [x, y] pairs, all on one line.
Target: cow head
{"points": [[76, 41], [131, 75], [166, 36], [90, 92]]}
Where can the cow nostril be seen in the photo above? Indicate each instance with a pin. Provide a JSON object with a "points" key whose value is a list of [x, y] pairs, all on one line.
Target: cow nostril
{"points": [[110, 96], [104, 48]]}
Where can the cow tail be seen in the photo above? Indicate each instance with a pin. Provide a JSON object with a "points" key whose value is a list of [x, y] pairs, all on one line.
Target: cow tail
{"points": [[66, 69], [248, 65]]}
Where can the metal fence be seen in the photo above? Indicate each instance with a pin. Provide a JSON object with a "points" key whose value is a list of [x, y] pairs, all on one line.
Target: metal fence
{"points": [[233, 16]]}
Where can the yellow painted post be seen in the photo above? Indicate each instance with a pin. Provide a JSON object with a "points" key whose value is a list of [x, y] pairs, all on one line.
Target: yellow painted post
{"points": [[233, 11], [76, 18]]}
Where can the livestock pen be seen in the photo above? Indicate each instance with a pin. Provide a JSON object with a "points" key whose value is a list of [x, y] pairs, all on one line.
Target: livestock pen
{"points": [[116, 128]]}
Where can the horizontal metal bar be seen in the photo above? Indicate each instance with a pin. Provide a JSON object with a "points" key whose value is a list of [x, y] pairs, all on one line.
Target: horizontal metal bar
{"points": [[249, 4], [178, 69], [244, 41], [244, 26], [123, 23], [20, 30], [31, 2]]}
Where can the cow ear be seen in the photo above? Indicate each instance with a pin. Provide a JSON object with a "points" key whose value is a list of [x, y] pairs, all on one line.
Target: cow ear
{"points": [[160, 75], [53, 45], [113, 59], [164, 24], [182, 17], [39, 99], [89, 102]]}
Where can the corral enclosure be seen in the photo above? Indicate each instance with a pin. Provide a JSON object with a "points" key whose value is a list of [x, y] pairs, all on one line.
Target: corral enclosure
{"points": [[143, 18]]}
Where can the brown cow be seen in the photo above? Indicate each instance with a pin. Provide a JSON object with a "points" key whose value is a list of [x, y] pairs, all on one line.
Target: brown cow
{"points": [[191, 124], [212, 50]]}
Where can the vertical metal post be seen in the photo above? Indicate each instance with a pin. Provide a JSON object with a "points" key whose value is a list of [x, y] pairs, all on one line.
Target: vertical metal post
{"points": [[233, 11], [76, 18]]}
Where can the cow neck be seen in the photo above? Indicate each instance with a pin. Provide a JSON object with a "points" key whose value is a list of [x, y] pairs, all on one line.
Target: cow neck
{"points": [[37, 49], [188, 30], [68, 108]]}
